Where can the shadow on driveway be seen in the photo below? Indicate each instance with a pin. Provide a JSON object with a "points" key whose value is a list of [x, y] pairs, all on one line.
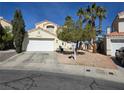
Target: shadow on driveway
{"points": [[71, 52], [116, 62]]}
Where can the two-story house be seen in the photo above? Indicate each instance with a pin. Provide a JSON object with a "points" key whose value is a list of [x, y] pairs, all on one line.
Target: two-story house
{"points": [[115, 35], [44, 38]]}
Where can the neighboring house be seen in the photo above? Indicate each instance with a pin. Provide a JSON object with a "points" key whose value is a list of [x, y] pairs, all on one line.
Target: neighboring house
{"points": [[43, 38], [115, 37], [5, 23]]}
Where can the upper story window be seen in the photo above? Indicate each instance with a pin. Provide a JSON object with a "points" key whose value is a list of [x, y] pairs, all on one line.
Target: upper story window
{"points": [[50, 27]]}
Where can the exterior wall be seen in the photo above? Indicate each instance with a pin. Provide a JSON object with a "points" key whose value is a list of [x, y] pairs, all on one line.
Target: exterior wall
{"points": [[108, 46], [115, 25], [112, 46], [40, 34], [45, 24], [121, 16], [118, 26], [65, 45], [121, 26]]}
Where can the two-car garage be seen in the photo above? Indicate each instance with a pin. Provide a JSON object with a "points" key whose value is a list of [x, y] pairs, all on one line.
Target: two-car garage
{"points": [[40, 45]]}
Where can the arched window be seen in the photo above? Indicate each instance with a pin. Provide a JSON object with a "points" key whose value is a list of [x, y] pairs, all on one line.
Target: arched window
{"points": [[50, 27]]}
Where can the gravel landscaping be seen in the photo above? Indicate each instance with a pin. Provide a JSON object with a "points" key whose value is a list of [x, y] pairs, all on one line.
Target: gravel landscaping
{"points": [[6, 54], [88, 59]]}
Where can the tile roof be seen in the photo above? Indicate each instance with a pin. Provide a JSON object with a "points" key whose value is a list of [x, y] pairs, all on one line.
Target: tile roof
{"points": [[116, 34]]}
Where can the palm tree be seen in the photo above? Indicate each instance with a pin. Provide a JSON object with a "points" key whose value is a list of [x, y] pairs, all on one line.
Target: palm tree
{"points": [[80, 14], [90, 17], [68, 22], [92, 13], [101, 13], [79, 23]]}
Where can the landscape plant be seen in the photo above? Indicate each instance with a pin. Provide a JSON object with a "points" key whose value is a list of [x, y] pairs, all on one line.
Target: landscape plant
{"points": [[18, 30], [84, 29], [6, 38]]}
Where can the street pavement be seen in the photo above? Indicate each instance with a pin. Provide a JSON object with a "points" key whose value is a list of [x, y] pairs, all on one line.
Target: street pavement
{"points": [[38, 70], [37, 80]]}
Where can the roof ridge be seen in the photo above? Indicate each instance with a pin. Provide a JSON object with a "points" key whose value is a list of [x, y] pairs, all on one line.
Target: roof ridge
{"points": [[47, 21]]}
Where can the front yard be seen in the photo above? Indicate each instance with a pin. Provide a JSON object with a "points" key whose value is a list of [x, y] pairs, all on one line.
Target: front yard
{"points": [[87, 59], [84, 59]]}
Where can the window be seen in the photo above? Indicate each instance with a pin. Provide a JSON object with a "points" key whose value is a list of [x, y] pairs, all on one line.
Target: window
{"points": [[117, 40], [50, 26]]}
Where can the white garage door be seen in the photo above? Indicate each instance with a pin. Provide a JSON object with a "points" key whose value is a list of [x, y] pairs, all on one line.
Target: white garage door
{"points": [[116, 46], [40, 45]]}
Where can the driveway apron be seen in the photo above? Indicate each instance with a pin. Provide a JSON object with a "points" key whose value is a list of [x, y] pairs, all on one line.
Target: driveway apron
{"points": [[31, 59]]}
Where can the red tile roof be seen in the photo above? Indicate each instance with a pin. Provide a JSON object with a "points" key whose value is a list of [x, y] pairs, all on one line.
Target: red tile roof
{"points": [[116, 34]]}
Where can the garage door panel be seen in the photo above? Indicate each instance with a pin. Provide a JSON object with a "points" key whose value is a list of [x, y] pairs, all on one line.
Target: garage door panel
{"points": [[40, 45], [116, 46]]}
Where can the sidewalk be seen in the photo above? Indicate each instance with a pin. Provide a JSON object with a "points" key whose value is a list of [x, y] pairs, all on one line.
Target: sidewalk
{"points": [[95, 72]]}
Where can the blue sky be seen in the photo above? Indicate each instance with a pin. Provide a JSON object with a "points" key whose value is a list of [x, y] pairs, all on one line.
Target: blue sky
{"points": [[56, 12]]}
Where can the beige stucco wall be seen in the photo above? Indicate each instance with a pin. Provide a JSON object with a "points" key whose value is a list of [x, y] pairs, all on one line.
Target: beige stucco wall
{"points": [[121, 26], [39, 33], [108, 46], [121, 16], [64, 44], [45, 24]]}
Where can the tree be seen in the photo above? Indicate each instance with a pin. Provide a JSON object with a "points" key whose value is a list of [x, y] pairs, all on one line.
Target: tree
{"points": [[2, 33], [80, 14], [90, 17], [70, 32], [76, 31], [101, 13], [18, 30], [8, 38], [91, 14]]}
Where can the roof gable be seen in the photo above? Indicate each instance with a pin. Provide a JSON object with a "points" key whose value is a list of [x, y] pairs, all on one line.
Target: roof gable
{"points": [[46, 21], [41, 33]]}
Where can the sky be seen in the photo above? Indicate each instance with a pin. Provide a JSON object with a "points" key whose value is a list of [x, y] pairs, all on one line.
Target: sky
{"points": [[56, 12]]}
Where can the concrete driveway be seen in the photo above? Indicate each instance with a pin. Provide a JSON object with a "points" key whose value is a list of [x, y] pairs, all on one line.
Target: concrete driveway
{"points": [[28, 59]]}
